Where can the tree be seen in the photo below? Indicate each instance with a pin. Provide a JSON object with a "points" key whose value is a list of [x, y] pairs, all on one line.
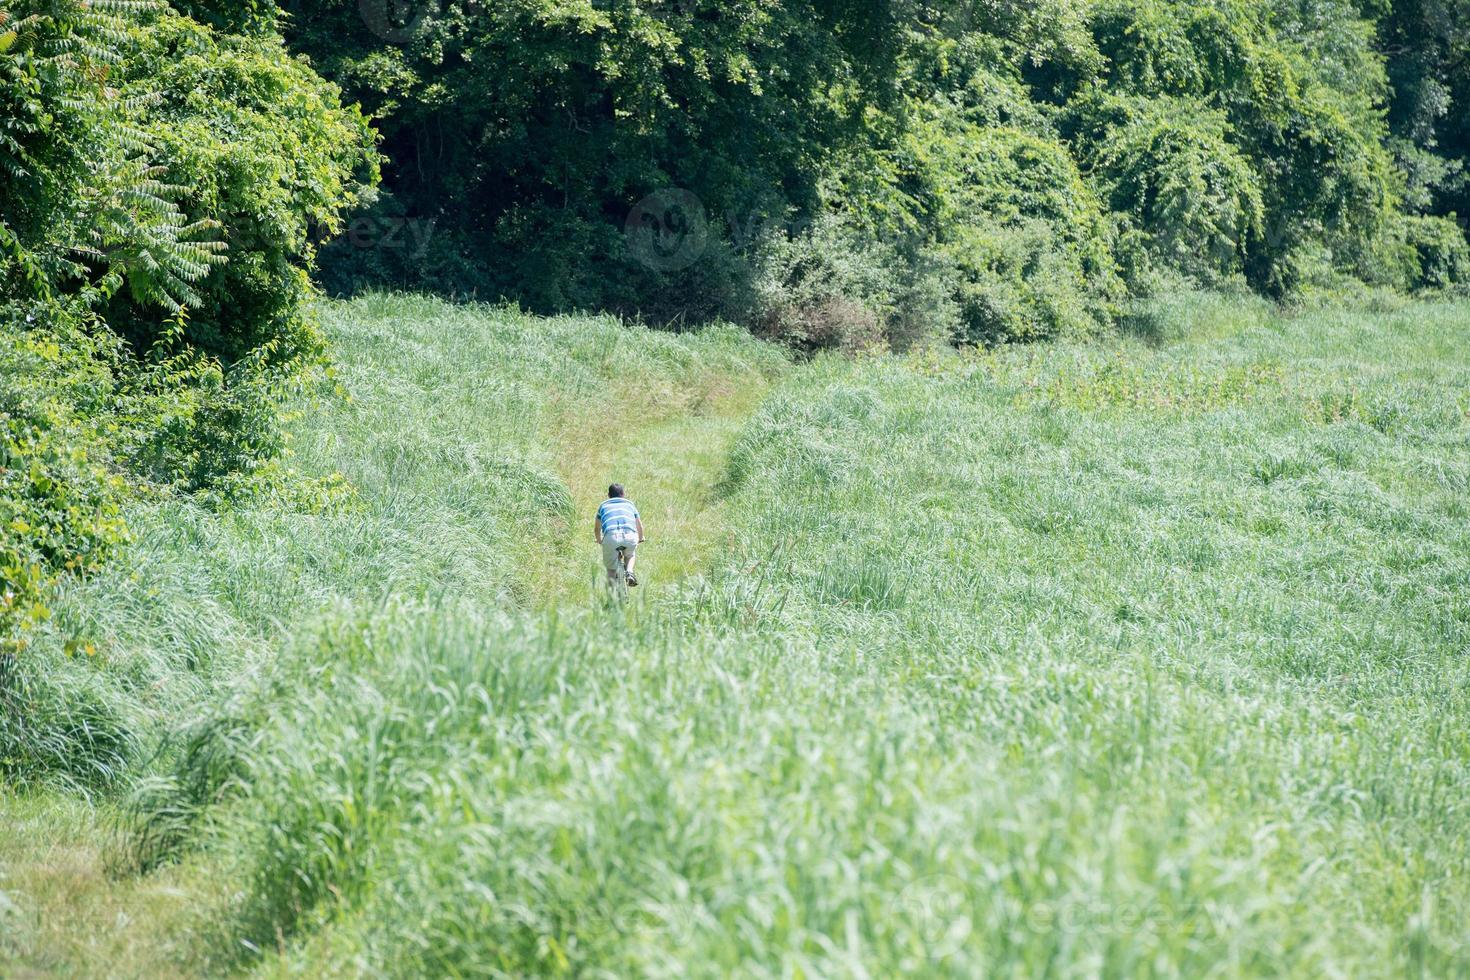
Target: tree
{"points": [[527, 130]]}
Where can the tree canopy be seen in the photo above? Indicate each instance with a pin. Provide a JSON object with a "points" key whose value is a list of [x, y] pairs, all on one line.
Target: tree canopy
{"points": [[1273, 141]]}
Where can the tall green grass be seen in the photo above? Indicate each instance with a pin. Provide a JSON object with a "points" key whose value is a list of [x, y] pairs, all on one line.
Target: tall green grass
{"points": [[1210, 599], [444, 428], [1077, 660]]}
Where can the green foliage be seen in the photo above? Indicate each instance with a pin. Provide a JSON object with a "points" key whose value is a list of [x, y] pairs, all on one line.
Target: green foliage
{"points": [[1235, 137], [1426, 47], [141, 149], [162, 184], [1441, 255], [266, 152], [59, 498], [85, 208], [978, 207], [534, 128], [1026, 239], [200, 425], [1169, 164], [260, 17], [828, 288], [1294, 102], [77, 413]]}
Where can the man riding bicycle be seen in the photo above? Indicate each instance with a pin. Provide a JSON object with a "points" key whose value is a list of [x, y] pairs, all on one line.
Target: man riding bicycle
{"points": [[618, 528]]}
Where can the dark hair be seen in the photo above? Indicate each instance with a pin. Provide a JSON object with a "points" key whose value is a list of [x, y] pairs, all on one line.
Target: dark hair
{"points": [[616, 490]]}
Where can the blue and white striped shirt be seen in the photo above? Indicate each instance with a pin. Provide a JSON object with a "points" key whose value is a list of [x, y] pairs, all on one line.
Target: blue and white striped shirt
{"points": [[617, 514]]}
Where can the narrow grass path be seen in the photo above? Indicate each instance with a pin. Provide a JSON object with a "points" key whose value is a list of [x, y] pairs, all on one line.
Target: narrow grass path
{"points": [[667, 441], [670, 468], [53, 851]]}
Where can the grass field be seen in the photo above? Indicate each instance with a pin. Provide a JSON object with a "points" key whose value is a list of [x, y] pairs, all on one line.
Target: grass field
{"points": [[1140, 658]]}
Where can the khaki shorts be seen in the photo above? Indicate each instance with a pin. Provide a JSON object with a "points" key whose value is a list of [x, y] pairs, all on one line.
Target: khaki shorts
{"points": [[627, 540]]}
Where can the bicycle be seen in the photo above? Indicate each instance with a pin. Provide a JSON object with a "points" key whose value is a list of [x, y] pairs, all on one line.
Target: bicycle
{"points": [[619, 582]]}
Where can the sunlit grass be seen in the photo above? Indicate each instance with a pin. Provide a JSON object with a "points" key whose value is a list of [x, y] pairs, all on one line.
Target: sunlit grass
{"points": [[668, 449], [63, 914], [1143, 658], [461, 430]]}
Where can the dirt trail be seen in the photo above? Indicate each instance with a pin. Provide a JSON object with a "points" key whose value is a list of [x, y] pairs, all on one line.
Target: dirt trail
{"points": [[670, 468]]}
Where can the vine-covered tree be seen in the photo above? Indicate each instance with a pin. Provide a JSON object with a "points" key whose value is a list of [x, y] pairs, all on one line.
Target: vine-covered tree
{"points": [[1225, 138], [159, 188]]}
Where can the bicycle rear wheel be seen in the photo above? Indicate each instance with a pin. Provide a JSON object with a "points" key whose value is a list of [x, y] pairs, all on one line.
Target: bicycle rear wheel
{"points": [[618, 584]]}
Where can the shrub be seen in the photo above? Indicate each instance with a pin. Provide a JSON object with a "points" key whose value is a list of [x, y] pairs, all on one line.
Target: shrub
{"points": [[826, 288], [135, 141], [1025, 240], [197, 424], [260, 145], [1170, 165], [59, 498], [85, 211], [1014, 284], [1441, 255], [975, 200], [989, 231], [1301, 113]]}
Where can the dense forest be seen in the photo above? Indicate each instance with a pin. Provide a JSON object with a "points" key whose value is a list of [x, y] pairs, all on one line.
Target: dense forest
{"points": [[975, 171], [827, 173]]}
